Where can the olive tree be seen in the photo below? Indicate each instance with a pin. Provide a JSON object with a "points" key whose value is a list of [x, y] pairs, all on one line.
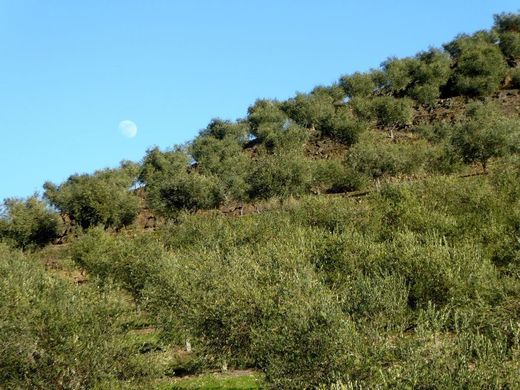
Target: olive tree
{"points": [[103, 197], [479, 66], [483, 135], [508, 27], [28, 222]]}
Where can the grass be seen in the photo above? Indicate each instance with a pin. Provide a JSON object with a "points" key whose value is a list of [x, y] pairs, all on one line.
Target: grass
{"points": [[229, 380]]}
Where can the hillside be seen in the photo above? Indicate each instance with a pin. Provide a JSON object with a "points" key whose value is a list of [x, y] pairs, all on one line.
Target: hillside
{"points": [[363, 235]]}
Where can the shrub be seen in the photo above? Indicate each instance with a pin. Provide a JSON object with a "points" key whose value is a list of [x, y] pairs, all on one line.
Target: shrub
{"points": [[375, 157], [508, 27], [172, 186], [186, 191], [312, 111], [291, 327], [101, 198], [333, 176], [479, 65], [224, 159], [224, 129], [55, 335], [430, 76], [393, 112], [482, 136], [287, 139], [344, 126], [28, 223], [515, 78], [359, 84], [399, 74], [129, 261], [279, 175], [264, 117]]}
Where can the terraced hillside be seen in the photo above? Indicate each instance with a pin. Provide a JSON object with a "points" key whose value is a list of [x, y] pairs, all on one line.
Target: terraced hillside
{"points": [[363, 235]]}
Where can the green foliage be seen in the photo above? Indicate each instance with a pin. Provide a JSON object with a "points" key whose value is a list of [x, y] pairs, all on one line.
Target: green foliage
{"points": [[374, 157], [288, 139], [223, 158], [291, 327], [359, 84], [508, 27], [399, 74], [101, 198], [265, 116], [333, 176], [223, 129], [130, 263], [420, 78], [515, 78], [345, 127], [280, 175], [392, 112], [28, 223], [54, 335], [479, 66], [483, 135], [171, 186], [312, 111], [186, 191]]}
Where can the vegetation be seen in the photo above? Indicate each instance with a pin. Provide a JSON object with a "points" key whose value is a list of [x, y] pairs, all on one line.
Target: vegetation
{"points": [[28, 223], [99, 199], [256, 273]]}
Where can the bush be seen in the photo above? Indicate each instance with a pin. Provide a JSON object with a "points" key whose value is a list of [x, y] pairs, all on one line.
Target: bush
{"points": [[375, 157], [333, 176], [189, 192], [28, 223], [101, 198], [264, 117], [224, 159], [172, 186], [479, 68], [515, 78], [130, 262], [279, 175], [393, 112], [430, 76], [291, 327], [312, 111], [54, 335], [288, 139], [344, 126], [359, 84], [224, 129], [482, 136], [508, 27]]}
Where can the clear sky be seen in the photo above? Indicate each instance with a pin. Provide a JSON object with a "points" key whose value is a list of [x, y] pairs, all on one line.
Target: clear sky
{"points": [[71, 71]]}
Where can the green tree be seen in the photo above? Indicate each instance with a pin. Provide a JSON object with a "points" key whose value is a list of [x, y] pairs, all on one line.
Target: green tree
{"points": [[393, 112], [101, 198], [225, 159], [172, 184], [360, 84], [28, 222], [265, 117], [280, 174], [479, 66], [482, 135], [421, 77], [508, 27], [312, 111]]}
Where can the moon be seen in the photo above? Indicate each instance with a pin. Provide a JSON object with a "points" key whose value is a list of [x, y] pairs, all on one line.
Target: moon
{"points": [[128, 128]]}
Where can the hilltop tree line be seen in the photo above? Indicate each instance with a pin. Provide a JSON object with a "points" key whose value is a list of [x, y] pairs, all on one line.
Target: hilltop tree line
{"points": [[266, 154]]}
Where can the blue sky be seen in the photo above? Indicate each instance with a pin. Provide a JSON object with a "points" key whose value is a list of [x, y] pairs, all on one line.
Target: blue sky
{"points": [[71, 71]]}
